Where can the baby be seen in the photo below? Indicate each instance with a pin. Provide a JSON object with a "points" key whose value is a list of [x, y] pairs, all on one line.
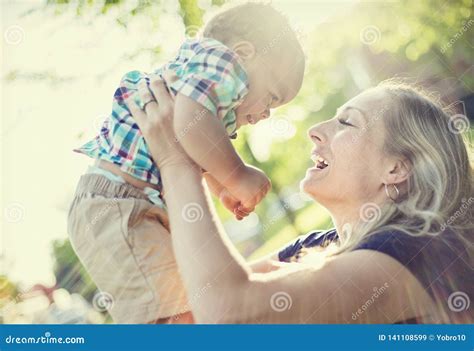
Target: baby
{"points": [[247, 62]]}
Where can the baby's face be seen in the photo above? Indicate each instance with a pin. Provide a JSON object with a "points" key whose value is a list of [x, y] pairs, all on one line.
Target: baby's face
{"points": [[272, 82]]}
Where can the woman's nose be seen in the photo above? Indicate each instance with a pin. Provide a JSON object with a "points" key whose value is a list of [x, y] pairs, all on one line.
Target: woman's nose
{"points": [[316, 135]]}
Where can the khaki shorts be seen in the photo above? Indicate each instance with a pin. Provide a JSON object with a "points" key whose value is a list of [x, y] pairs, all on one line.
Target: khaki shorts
{"points": [[123, 242]]}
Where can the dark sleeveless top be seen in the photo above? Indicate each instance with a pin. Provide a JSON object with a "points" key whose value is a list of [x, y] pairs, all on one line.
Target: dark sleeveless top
{"points": [[440, 263]]}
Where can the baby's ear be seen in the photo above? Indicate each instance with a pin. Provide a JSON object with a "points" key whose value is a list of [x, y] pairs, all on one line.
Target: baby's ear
{"points": [[245, 49]]}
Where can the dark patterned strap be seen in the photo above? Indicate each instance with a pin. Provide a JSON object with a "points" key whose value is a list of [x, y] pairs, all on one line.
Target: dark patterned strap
{"points": [[312, 239]]}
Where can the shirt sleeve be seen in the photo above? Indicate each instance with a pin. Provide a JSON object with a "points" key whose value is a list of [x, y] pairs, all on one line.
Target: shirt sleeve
{"points": [[214, 78]]}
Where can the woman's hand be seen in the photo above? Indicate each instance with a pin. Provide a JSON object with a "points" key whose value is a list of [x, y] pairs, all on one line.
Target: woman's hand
{"points": [[156, 124]]}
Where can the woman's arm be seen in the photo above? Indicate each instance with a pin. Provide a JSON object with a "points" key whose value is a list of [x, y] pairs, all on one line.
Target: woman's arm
{"points": [[220, 284], [293, 294], [333, 293]]}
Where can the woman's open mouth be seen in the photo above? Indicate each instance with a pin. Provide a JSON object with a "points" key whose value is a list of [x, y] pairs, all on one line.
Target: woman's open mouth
{"points": [[319, 161]]}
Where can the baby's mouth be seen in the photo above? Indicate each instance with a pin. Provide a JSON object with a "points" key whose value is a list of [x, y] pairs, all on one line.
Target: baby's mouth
{"points": [[250, 119], [319, 161]]}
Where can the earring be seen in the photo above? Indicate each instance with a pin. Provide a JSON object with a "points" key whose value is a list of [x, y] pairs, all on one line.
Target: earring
{"points": [[388, 193]]}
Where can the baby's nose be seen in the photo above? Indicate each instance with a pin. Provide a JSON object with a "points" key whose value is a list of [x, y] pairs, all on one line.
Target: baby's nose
{"points": [[265, 114]]}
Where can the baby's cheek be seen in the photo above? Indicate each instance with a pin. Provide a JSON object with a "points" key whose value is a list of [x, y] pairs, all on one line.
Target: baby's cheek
{"points": [[246, 105], [255, 103]]}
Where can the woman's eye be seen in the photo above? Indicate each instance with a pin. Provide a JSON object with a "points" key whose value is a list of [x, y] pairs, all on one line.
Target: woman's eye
{"points": [[344, 122]]}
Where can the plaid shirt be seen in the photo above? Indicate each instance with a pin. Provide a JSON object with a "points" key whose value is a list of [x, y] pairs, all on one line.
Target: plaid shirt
{"points": [[208, 72]]}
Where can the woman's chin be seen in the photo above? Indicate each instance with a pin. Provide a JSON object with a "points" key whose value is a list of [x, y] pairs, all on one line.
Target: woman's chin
{"points": [[311, 183], [306, 185]]}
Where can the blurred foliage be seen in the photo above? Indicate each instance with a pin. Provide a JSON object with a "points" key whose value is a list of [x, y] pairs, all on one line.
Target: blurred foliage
{"points": [[191, 13], [369, 42], [9, 295], [8, 290], [69, 272], [405, 31], [102, 7]]}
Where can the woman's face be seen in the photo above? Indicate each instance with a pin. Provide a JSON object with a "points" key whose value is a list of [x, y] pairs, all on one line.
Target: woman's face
{"points": [[351, 144]]}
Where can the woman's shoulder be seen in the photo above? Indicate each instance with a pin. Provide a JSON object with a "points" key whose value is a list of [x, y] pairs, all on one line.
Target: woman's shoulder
{"points": [[441, 263], [443, 249], [407, 247]]}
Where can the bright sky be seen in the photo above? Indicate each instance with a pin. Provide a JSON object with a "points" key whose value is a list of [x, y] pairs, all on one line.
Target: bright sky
{"points": [[41, 122]]}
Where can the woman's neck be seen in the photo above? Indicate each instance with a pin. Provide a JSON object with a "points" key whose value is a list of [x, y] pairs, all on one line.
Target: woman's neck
{"points": [[344, 220], [347, 216]]}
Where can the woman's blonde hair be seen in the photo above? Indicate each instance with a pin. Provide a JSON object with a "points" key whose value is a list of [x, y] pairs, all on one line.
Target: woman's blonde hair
{"points": [[439, 192]]}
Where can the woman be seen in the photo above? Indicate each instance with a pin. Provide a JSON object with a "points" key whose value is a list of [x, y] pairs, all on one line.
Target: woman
{"points": [[392, 172]]}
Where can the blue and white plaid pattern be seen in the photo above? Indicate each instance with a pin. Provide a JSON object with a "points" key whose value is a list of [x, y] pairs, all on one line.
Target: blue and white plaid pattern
{"points": [[208, 72]]}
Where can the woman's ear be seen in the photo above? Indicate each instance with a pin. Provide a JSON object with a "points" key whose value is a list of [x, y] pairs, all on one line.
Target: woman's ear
{"points": [[245, 49], [398, 171]]}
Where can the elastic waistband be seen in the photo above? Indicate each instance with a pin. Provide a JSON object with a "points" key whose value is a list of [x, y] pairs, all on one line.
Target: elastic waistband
{"points": [[100, 185]]}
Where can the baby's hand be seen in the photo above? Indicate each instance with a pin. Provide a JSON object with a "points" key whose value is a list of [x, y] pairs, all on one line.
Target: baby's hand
{"points": [[232, 204], [249, 187], [225, 197]]}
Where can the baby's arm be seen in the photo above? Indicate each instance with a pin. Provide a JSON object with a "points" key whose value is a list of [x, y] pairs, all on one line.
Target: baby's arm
{"points": [[214, 186], [204, 138], [226, 198]]}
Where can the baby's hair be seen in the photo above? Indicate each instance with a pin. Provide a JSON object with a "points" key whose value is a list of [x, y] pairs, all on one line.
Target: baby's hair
{"points": [[260, 24]]}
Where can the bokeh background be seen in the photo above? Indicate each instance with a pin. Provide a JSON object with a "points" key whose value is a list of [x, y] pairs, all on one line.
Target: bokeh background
{"points": [[61, 61]]}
